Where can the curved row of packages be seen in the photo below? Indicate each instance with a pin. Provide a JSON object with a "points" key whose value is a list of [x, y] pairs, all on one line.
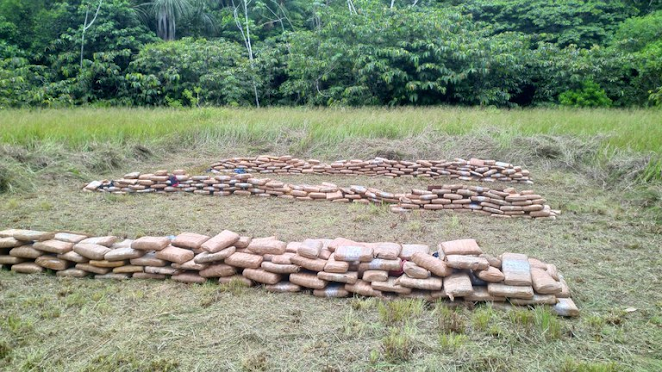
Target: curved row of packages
{"points": [[458, 270], [464, 170], [498, 202]]}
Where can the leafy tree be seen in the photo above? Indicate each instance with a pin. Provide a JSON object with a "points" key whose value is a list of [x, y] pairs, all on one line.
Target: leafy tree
{"points": [[564, 22], [408, 56], [190, 72]]}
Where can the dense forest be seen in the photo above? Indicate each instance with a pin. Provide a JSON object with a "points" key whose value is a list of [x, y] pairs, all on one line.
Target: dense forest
{"points": [[330, 52]]}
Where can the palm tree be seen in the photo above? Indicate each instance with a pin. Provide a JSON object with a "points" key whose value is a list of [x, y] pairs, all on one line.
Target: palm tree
{"points": [[167, 13]]}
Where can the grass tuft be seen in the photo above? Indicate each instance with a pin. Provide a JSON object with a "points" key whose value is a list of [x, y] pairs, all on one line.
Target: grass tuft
{"points": [[450, 320], [400, 310], [398, 346]]}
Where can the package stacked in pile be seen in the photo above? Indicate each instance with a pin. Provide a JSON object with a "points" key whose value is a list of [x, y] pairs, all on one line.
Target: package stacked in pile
{"points": [[458, 271], [465, 170], [504, 202]]}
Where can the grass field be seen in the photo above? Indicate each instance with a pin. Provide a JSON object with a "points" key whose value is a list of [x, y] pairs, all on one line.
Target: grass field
{"points": [[607, 242]]}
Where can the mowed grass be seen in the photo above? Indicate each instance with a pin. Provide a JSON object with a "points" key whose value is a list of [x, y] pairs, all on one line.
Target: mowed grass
{"points": [[607, 243], [605, 247]]}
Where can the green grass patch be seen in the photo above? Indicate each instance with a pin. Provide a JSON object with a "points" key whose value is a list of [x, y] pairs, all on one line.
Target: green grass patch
{"points": [[636, 129]]}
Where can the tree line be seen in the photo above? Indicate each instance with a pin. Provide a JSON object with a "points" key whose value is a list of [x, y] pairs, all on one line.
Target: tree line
{"points": [[330, 52]]}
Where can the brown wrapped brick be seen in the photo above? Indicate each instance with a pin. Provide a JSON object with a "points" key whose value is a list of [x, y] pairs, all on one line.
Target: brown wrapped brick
{"points": [[375, 276], [565, 290], [333, 266], [551, 270], [150, 243], [458, 285], [72, 273], [415, 271], [467, 262], [10, 260], [148, 276], [128, 269], [543, 283], [430, 284], [10, 242], [510, 291], [534, 262], [493, 261], [190, 265], [121, 254], [467, 247], [307, 280], [349, 277], [387, 251], [167, 270], [293, 247], [332, 291], [106, 241], [30, 235], [538, 299], [352, 253], [283, 287], [310, 264], [92, 269], [245, 260], [218, 270], [516, 269], [491, 274], [208, 257], [105, 263], [54, 246], [310, 248], [282, 259], [189, 278], [363, 288], [69, 237], [223, 240], [174, 254], [268, 245], [279, 268], [73, 257], [408, 250], [432, 264], [337, 242], [25, 251], [27, 268], [262, 276], [390, 286], [243, 242], [52, 262], [189, 240], [149, 259], [480, 294], [381, 264], [91, 251], [564, 307]]}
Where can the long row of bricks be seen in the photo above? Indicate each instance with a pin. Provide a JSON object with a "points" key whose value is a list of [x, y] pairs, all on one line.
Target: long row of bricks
{"points": [[458, 270], [464, 170], [504, 203]]}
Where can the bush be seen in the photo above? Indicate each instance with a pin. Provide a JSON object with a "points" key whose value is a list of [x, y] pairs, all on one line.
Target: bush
{"points": [[590, 95]]}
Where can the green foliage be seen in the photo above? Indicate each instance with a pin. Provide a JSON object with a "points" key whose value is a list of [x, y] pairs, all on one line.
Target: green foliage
{"points": [[190, 72], [579, 22], [406, 57], [476, 52], [590, 95]]}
